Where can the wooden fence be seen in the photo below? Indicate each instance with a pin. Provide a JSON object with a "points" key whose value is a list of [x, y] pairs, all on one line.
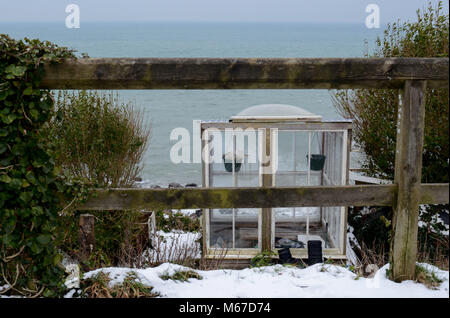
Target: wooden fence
{"points": [[412, 76]]}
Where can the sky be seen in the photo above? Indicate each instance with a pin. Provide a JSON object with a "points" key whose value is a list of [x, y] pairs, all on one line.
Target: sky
{"points": [[300, 11]]}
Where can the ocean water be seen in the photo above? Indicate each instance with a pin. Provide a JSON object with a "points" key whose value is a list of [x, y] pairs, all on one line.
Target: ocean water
{"points": [[165, 110]]}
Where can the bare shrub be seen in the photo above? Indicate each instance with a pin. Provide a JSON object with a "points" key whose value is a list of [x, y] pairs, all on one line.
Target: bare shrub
{"points": [[178, 247], [213, 263], [174, 247], [433, 248], [376, 255]]}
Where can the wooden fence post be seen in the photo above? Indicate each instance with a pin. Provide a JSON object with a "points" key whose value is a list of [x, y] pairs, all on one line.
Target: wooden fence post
{"points": [[408, 172], [151, 226], [267, 181], [86, 236]]}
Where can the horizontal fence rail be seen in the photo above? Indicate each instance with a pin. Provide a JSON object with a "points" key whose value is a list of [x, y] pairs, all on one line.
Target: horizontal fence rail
{"points": [[184, 198], [244, 73]]}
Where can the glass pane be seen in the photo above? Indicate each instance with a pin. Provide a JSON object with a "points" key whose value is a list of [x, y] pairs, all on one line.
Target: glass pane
{"points": [[244, 145], [293, 148], [235, 228], [304, 158], [246, 222], [331, 222], [246, 148], [333, 150], [245, 228], [219, 175], [220, 228], [295, 226], [291, 227]]}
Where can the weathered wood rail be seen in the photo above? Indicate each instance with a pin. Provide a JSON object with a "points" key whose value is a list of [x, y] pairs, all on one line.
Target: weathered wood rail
{"points": [[412, 76], [264, 197], [244, 73]]}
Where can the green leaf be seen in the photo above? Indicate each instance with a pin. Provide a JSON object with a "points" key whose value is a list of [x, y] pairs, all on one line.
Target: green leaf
{"points": [[25, 183], [3, 147], [5, 178], [26, 196], [9, 119], [16, 183], [19, 70], [3, 132], [28, 91], [44, 239], [36, 248], [30, 177], [34, 113], [37, 210], [10, 69], [18, 149], [3, 94], [9, 225], [16, 70], [6, 239], [57, 259]]}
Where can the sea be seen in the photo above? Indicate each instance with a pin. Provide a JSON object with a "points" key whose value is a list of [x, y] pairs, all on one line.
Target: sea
{"points": [[165, 110]]}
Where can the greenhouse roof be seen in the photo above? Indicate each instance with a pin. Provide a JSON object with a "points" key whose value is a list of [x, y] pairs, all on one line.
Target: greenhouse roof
{"points": [[274, 113]]}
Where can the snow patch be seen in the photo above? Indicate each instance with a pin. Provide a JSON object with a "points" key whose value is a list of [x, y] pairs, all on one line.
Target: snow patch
{"points": [[319, 280], [173, 246]]}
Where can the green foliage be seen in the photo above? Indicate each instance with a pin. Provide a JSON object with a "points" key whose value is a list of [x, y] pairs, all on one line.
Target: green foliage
{"points": [[98, 286], [263, 259], [374, 111], [373, 231], [169, 221], [182, 276], [427, 278], [98, 138], [101, 140], [371, 228], [29, 182], [121, 238]]}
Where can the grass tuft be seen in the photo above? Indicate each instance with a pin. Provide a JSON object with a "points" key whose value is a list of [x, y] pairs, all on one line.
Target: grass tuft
{"points": [[427, 278], [99, 287], [182, 276]]}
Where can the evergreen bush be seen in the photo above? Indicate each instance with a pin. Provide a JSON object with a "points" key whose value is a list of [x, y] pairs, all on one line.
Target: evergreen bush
{"points": [[374, 111], [29, 179]]}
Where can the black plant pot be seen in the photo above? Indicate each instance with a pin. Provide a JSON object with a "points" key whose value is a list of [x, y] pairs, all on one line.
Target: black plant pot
{"points": [[314, 252], [285, 255], [229, 165], [317, 162]]}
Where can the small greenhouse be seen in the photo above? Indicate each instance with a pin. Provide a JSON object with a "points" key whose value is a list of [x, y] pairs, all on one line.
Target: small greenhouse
{"points": [[275, 145]]}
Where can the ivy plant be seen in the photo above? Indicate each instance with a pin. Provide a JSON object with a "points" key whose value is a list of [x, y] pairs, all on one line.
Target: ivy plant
{"points": [[30, 186]]}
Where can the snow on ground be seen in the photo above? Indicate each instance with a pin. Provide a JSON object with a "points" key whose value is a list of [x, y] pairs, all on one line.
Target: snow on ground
{"points": [[436, 219], [4, 287], [351, 243], [278, 281], [360, 176], [186, 212]]}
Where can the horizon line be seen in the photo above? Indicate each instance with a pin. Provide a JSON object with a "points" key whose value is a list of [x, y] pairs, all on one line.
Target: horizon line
{"points": [[191, 21]]}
